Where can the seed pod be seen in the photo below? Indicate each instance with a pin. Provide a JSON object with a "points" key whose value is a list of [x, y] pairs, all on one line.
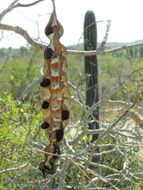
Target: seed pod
{"points": [[55, 92]]}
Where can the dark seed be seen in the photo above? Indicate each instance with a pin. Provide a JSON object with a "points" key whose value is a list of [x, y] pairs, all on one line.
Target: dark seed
{"points": [[42, 168], [48, 53], [56, 149], [45, 82], [45, 105], [65, 114], [45, 169], [59, 134], [48, 30], [45, 125], [56, 152]]}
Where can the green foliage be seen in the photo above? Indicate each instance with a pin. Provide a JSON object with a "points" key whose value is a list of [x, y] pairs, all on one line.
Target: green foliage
{"points": [[21, 138], [19, 119], [120, 78]]}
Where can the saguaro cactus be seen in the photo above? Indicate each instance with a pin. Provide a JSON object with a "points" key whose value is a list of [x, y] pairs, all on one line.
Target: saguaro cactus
{"points": [[91, 69]]}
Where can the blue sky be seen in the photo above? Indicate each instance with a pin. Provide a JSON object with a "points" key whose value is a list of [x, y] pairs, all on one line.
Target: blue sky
{"points": [[126, 17]]}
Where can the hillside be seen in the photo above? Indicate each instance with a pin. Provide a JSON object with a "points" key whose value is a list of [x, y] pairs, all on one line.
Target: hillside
{"points": [[108, 44]]}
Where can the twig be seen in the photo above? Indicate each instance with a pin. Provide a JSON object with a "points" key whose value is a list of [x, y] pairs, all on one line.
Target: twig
{"points": [[63, 177], [39, 46], [27, 5], [23, 33], [102, 45], [97, 52], [13, 169], [90, 25], [14, 5]]}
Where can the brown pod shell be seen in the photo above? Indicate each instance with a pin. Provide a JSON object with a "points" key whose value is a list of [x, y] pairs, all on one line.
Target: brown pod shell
{"points": [[55, 93]]}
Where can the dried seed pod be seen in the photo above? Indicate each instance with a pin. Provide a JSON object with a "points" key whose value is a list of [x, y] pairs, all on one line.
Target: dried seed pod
{"points": [[55, 93]]}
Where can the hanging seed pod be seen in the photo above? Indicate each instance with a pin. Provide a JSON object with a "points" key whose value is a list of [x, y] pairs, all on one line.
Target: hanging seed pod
{"points": [[55, 93]]}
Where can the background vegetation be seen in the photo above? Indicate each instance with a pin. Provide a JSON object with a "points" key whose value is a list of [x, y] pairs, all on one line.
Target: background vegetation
{"points": [[22, 139]]}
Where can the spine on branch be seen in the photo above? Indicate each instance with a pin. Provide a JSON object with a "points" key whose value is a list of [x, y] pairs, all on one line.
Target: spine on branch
{"points": [[91, 68]]}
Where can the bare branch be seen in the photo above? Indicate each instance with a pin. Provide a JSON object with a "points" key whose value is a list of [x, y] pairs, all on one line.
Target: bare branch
{"points": [[118, 106], [10, 7], [106, 34], [28, 5], [104, 134], [14, 5], [37, 45], [136, 117], [102, 45], [64, 172], [13, 169], [1, 37], [23, 33], [96, 52]]}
